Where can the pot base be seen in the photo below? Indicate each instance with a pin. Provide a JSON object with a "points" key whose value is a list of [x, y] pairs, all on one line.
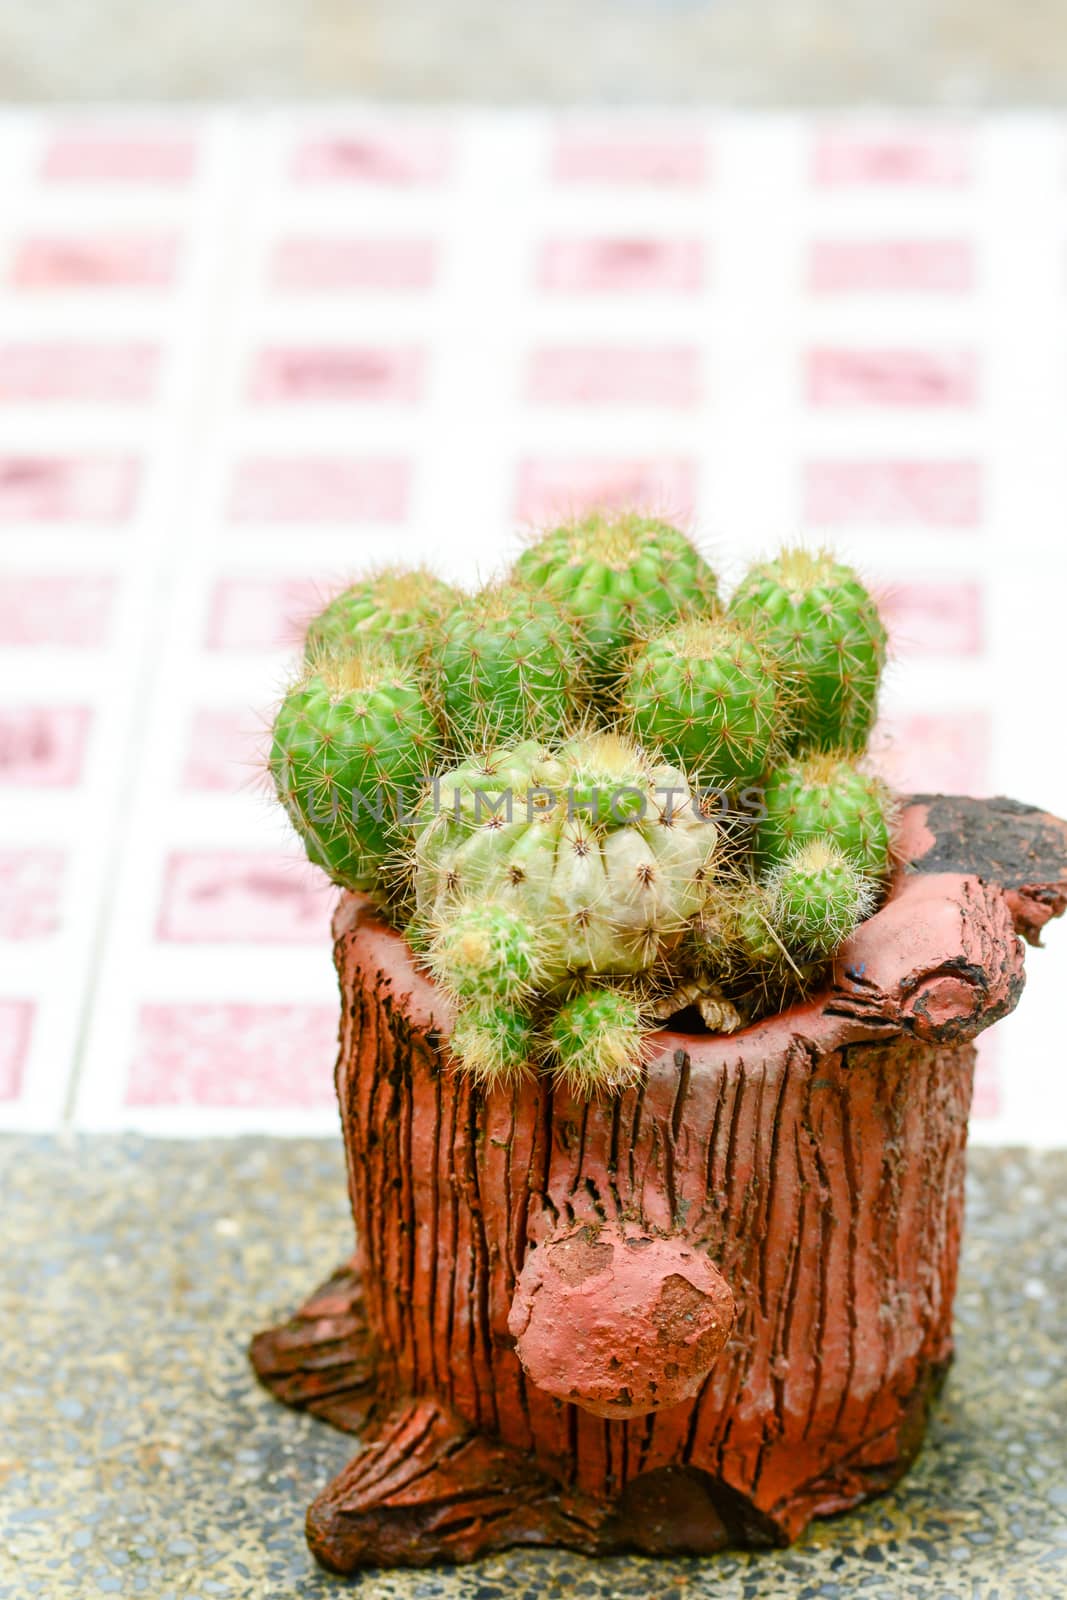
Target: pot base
{"points": [[426, 1488]]}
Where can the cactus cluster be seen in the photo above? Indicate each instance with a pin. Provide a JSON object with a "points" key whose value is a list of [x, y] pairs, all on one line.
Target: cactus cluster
{"points": [[592, 794]]}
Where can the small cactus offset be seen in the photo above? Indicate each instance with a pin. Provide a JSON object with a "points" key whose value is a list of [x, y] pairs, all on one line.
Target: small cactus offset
{"points": [[617, 577], [352, 734], [395, 609], [507, 667], [710, 696], [818, 796], [528, 781], [818, 897], [597, 1039], [818, 619]]}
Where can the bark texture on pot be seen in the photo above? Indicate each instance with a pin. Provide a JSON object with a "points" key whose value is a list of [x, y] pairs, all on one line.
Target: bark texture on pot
{"points": [[699, 1313]]}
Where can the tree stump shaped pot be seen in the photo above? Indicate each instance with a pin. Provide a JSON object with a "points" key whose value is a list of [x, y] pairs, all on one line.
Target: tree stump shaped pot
{"points": [[693, 1315]]}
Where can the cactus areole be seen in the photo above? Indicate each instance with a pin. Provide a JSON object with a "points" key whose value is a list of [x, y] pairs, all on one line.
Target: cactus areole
{"points": [[656, 1050]]}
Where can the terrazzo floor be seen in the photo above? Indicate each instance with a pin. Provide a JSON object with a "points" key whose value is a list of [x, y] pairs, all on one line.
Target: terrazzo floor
{"points": [[139, 1457]]}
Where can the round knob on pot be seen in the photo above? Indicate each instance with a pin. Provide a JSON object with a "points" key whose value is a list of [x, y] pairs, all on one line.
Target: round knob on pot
{"points": [[618, 1320]]}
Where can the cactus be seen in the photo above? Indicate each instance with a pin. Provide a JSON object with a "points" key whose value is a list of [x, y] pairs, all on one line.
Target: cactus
{"points": [[618, 577], [395, 608], [609, 895], [507, 668], [485, 952], [817, 896], [598, 1039], [820, 621], [712, 697], [495, 1043], [350, 736], [823, 795], [558, 877]]}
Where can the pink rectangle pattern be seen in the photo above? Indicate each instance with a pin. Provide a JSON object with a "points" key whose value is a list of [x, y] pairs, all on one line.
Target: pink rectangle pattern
{"points": [[934, 617], [391, 157], [85, 156], [197, 1053], [261, 613], [632, 266], [929, 494], [891, 266], [97, 489], [661, 158], [105, 374], [935, 159], [227, 896], [226, 750], [43, 747], [550, 488], [922, 379], [64, 611], [320, 489], [95, 261], [31, 887], [333, 373], [308, 264], [591, 376]]}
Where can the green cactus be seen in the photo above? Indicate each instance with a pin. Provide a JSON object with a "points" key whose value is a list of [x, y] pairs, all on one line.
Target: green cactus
{"points": [[485, 952], [818, 897], [598, 1038], [618, 577], [827, 795], [711, 696], [495, 1044], [817, 617], [610, 895], [507, 667], [352, 734], [395, 608], [558, 877]]}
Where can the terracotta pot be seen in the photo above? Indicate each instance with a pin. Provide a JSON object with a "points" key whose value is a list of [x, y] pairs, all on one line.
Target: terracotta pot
{"points": [[698, 1314]]}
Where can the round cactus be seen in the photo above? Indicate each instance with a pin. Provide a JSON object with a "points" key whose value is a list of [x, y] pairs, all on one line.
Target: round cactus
{"points": [[818, 896], [606, 895], [711, 696], [485, 952], [495, 1043], [395, 608], [506, 667], [351, 736], [827, 795], [820, 621], [598, 1040], [618, 577]]}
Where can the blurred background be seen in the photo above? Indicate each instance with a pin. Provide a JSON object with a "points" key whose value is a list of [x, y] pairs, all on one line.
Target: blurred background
{"points": [[285, 290], [738, 52]]}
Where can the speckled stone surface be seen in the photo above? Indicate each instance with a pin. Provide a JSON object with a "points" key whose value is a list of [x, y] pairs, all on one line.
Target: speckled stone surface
{"points": [[139, 1457], [738, 52]]}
